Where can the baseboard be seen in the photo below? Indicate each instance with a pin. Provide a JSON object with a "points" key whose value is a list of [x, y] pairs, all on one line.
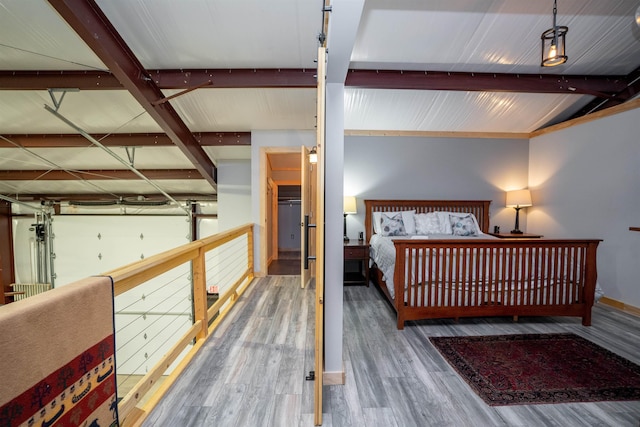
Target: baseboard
{"points": [[620, 306], [333, 378]]}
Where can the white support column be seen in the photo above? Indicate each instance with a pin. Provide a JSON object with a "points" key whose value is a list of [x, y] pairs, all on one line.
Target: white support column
{"points": [[343, 28], [334, 260]]}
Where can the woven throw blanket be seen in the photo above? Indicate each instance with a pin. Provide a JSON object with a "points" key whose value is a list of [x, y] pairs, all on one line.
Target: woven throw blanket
{"points": [[57, 364]]}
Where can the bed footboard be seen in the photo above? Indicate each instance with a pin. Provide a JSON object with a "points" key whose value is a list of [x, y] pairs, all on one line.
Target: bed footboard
{"points": [[460, 278]]}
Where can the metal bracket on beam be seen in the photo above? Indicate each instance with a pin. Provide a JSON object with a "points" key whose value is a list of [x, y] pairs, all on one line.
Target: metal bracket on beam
{"points": [[131, 154], [175, 95], [58, 102]]}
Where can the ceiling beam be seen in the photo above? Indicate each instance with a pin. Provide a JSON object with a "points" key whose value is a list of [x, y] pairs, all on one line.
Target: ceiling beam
{"points": [[235, 78], [62, 197], [628, 92], [97, 174], [47, 79], [164, 79], [205, 139], [485, 82], [89, 22], [371, 79]]}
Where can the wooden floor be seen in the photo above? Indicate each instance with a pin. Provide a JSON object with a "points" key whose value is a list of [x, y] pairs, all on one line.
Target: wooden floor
{"points": [[251, 373], [287, 264]]}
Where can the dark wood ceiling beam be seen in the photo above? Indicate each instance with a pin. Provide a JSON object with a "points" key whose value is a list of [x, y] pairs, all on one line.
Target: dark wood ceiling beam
{"points": [[206, 139], [98, 174], [484, 82], [89, 22]]}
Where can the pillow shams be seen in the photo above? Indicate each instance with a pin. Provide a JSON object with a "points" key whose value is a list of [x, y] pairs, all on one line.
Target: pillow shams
{"points": [[445, 223], [463, 225], [427, 223], [392, 225], [376, 223], [407, 220]]}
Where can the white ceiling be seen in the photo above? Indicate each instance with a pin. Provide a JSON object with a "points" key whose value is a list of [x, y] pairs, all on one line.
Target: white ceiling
{"points": [[423, 36]]}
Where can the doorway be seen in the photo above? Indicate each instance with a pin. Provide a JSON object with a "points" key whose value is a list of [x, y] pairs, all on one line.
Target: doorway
{"points": [[281, 169], [289, 232]]}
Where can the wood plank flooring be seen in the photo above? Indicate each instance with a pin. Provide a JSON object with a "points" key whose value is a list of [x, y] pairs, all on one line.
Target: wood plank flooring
{"points": [[287, 264], [252, 371]]}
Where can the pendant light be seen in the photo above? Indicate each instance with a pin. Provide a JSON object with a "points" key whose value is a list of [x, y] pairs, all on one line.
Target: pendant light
{"points": [[553, 42]]}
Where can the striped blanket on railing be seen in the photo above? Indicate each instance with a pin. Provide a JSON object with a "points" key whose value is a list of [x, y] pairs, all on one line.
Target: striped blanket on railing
{"points": [[57, 364]]}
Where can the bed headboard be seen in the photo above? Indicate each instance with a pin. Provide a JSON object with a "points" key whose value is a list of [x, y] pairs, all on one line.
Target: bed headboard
{"points": [[480, 208]]}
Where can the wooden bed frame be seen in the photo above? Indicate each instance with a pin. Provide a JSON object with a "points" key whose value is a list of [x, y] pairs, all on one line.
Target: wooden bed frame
{"points": [[461, 283]]}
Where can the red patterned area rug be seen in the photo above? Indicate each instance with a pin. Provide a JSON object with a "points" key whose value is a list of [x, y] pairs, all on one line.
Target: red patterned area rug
{"points": [[540, 369]]}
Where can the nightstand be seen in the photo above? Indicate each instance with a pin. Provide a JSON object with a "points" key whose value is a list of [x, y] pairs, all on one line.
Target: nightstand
{"points": [[356, 250], [516, 236]]}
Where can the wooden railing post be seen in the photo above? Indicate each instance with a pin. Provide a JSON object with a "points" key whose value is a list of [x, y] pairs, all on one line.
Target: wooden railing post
{"points": [[250, 253], [200, 293]]}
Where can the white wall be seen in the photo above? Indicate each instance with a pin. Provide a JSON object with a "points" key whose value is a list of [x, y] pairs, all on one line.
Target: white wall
{"points": [[234, 193], [585, 182], [435, 168], [333, 242]]}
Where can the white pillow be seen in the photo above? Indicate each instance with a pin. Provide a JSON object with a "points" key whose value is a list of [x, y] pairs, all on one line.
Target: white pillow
{"points": [[427, 223], [409, 221], [376, 222], [445, 223]]}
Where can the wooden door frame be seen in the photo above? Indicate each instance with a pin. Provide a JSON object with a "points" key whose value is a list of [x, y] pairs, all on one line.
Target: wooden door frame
{"points": [[265, 204]]}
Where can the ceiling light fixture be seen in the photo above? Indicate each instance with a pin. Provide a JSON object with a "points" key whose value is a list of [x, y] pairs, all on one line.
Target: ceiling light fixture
{"points": [[553, 42]]}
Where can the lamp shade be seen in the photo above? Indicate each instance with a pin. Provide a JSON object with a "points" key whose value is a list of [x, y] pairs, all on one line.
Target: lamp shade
{"points": [[350, 205], [518, 198]]}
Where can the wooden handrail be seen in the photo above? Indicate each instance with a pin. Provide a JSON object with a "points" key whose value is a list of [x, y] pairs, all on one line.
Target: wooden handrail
{"points": [[129, 276]]}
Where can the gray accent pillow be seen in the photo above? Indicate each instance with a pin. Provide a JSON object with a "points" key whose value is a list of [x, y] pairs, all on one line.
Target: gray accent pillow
{"points": [[392, 225], [463, 226]]}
